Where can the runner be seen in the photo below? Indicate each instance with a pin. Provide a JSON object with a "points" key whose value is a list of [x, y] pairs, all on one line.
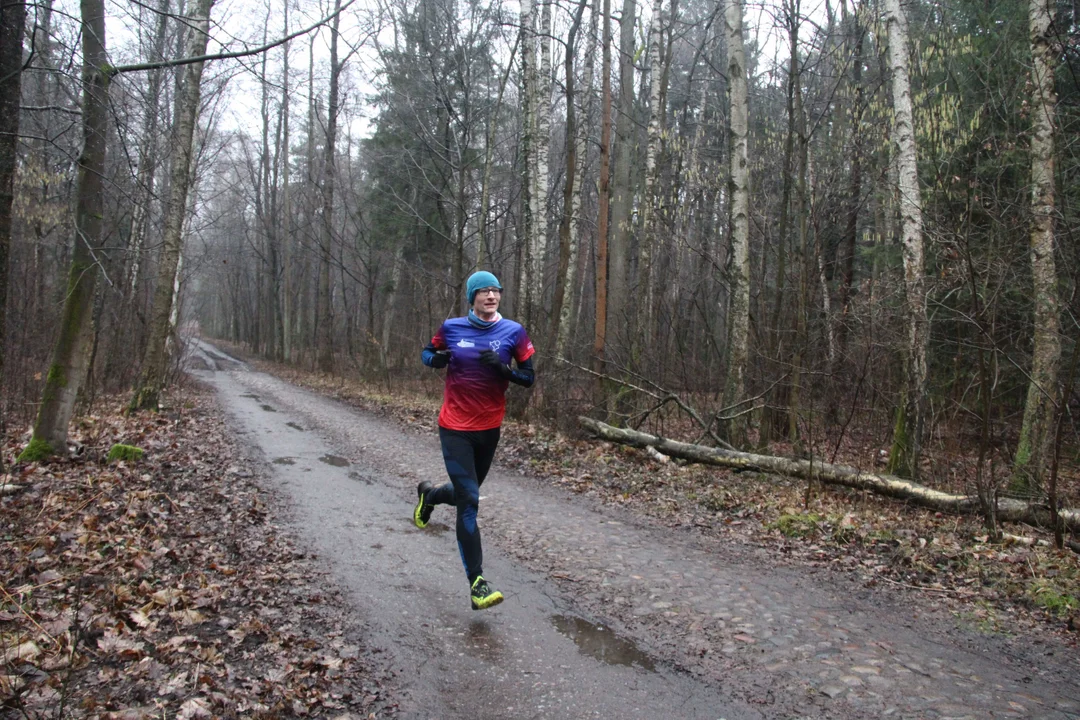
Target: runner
{"points": [[477, 349]]}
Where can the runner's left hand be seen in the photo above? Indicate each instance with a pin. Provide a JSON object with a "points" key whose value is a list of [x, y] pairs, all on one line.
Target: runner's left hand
{"points": [[492, 360]]}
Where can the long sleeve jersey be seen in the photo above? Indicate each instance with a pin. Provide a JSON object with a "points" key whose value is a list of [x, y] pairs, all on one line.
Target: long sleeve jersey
{"points": [[475, 394]]}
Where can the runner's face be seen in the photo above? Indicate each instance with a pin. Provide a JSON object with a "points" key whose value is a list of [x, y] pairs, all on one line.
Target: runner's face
{"points": [[486, 302]]}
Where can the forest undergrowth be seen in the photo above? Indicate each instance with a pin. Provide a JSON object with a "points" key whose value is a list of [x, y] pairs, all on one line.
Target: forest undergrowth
{"points": [[170, 586]]}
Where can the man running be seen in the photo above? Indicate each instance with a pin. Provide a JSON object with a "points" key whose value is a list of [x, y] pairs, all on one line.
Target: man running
{"points": [[477, 350]]}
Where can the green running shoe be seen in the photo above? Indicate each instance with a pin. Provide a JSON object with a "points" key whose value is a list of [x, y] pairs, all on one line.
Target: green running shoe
{"points": [[483, 596], [422, 512]]}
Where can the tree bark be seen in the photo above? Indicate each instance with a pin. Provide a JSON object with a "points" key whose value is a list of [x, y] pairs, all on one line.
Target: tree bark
{"points": [[739, 224], [907, 434], [325, 345], [567, 254], [71, 353], [651, 195], [580, 139], [619, 247], [144, 182], [530, 202], [152, 379], [1037, 429], [828, 473], [12, 22], [286, 206], [603, 196]]}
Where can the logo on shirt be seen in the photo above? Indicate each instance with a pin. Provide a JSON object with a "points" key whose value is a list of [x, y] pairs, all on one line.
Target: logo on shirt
{"points": [[495, 344], [463, 343]]}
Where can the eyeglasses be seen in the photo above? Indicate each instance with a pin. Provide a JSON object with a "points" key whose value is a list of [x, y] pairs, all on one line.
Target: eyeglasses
{"points": [[489, 291]]}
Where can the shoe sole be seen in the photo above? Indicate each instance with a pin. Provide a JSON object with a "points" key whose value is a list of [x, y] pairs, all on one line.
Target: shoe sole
{"points": [[490, 601], [416, 511]]}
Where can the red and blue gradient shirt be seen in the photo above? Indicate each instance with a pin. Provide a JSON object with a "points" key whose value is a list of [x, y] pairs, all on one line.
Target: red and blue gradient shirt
{"points": [[475, 394]]}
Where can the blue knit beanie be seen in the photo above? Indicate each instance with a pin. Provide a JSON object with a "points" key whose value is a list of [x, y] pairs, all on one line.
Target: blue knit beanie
{"points": [[477, 280]]}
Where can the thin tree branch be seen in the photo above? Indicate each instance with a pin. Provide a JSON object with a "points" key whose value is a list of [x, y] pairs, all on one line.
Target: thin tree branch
{"points": [[229, 55]]}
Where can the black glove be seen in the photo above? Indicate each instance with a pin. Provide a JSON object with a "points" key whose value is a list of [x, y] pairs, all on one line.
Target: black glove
{"points": [[493, 361], [440, 359]]}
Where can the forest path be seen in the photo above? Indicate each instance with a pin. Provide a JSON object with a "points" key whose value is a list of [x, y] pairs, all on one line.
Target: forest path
{"points": [[606, 615]]}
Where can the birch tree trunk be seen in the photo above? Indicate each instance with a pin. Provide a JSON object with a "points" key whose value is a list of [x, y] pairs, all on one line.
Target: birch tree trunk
{"points": [[845, 475], [651, 195], [71, 353], [739, 225], [152, 378], [907, 434], [325, 346], [538, 243], [12, 22], [1036, 432]]}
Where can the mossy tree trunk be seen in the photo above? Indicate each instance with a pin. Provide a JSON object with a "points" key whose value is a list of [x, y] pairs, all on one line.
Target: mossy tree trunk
{"points": [[1036, 431], [71, 354], [12, 21], [152, 379]]}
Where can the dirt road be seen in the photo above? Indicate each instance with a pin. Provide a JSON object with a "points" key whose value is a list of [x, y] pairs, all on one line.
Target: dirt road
{"points": [[606, 616]]}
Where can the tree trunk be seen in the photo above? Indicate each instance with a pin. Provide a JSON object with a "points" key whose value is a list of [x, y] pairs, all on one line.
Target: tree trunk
{"points": [[603, 196], [854, 200], [286, 206], [621, 203], [12, 22], [144, 180], [775, 418], [152, 380], [71, 353], [538, 243], [907, 434], [567, 255], [1037, 430], [739, 225], [325, 346], [650, 198], [888, 485], [580, 139], [530, 202]]}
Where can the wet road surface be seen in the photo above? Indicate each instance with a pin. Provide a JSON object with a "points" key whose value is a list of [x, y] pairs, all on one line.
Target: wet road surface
{"points": [[604, 617]]}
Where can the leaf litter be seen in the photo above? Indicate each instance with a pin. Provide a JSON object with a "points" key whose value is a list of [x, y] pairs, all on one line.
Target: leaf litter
{"points": [[168, 587]]}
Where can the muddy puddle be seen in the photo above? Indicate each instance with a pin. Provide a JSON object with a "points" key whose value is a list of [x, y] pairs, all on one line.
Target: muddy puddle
{"points": [[601, 643]]}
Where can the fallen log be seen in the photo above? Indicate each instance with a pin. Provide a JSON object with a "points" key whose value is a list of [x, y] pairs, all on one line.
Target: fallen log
{"points": [[1009, 509]]}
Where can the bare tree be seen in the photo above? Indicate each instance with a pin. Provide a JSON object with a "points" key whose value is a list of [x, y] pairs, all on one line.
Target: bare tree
{"points": [[603, 197], [324, 306], [71, 354], [12, 21], [185, 117]]}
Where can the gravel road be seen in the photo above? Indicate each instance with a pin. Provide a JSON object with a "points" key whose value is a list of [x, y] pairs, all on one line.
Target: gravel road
{"points": [[606, 615]]}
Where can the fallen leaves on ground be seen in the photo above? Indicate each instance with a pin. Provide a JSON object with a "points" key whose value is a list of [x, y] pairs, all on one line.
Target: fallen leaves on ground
{"points": [[166, 587]]}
